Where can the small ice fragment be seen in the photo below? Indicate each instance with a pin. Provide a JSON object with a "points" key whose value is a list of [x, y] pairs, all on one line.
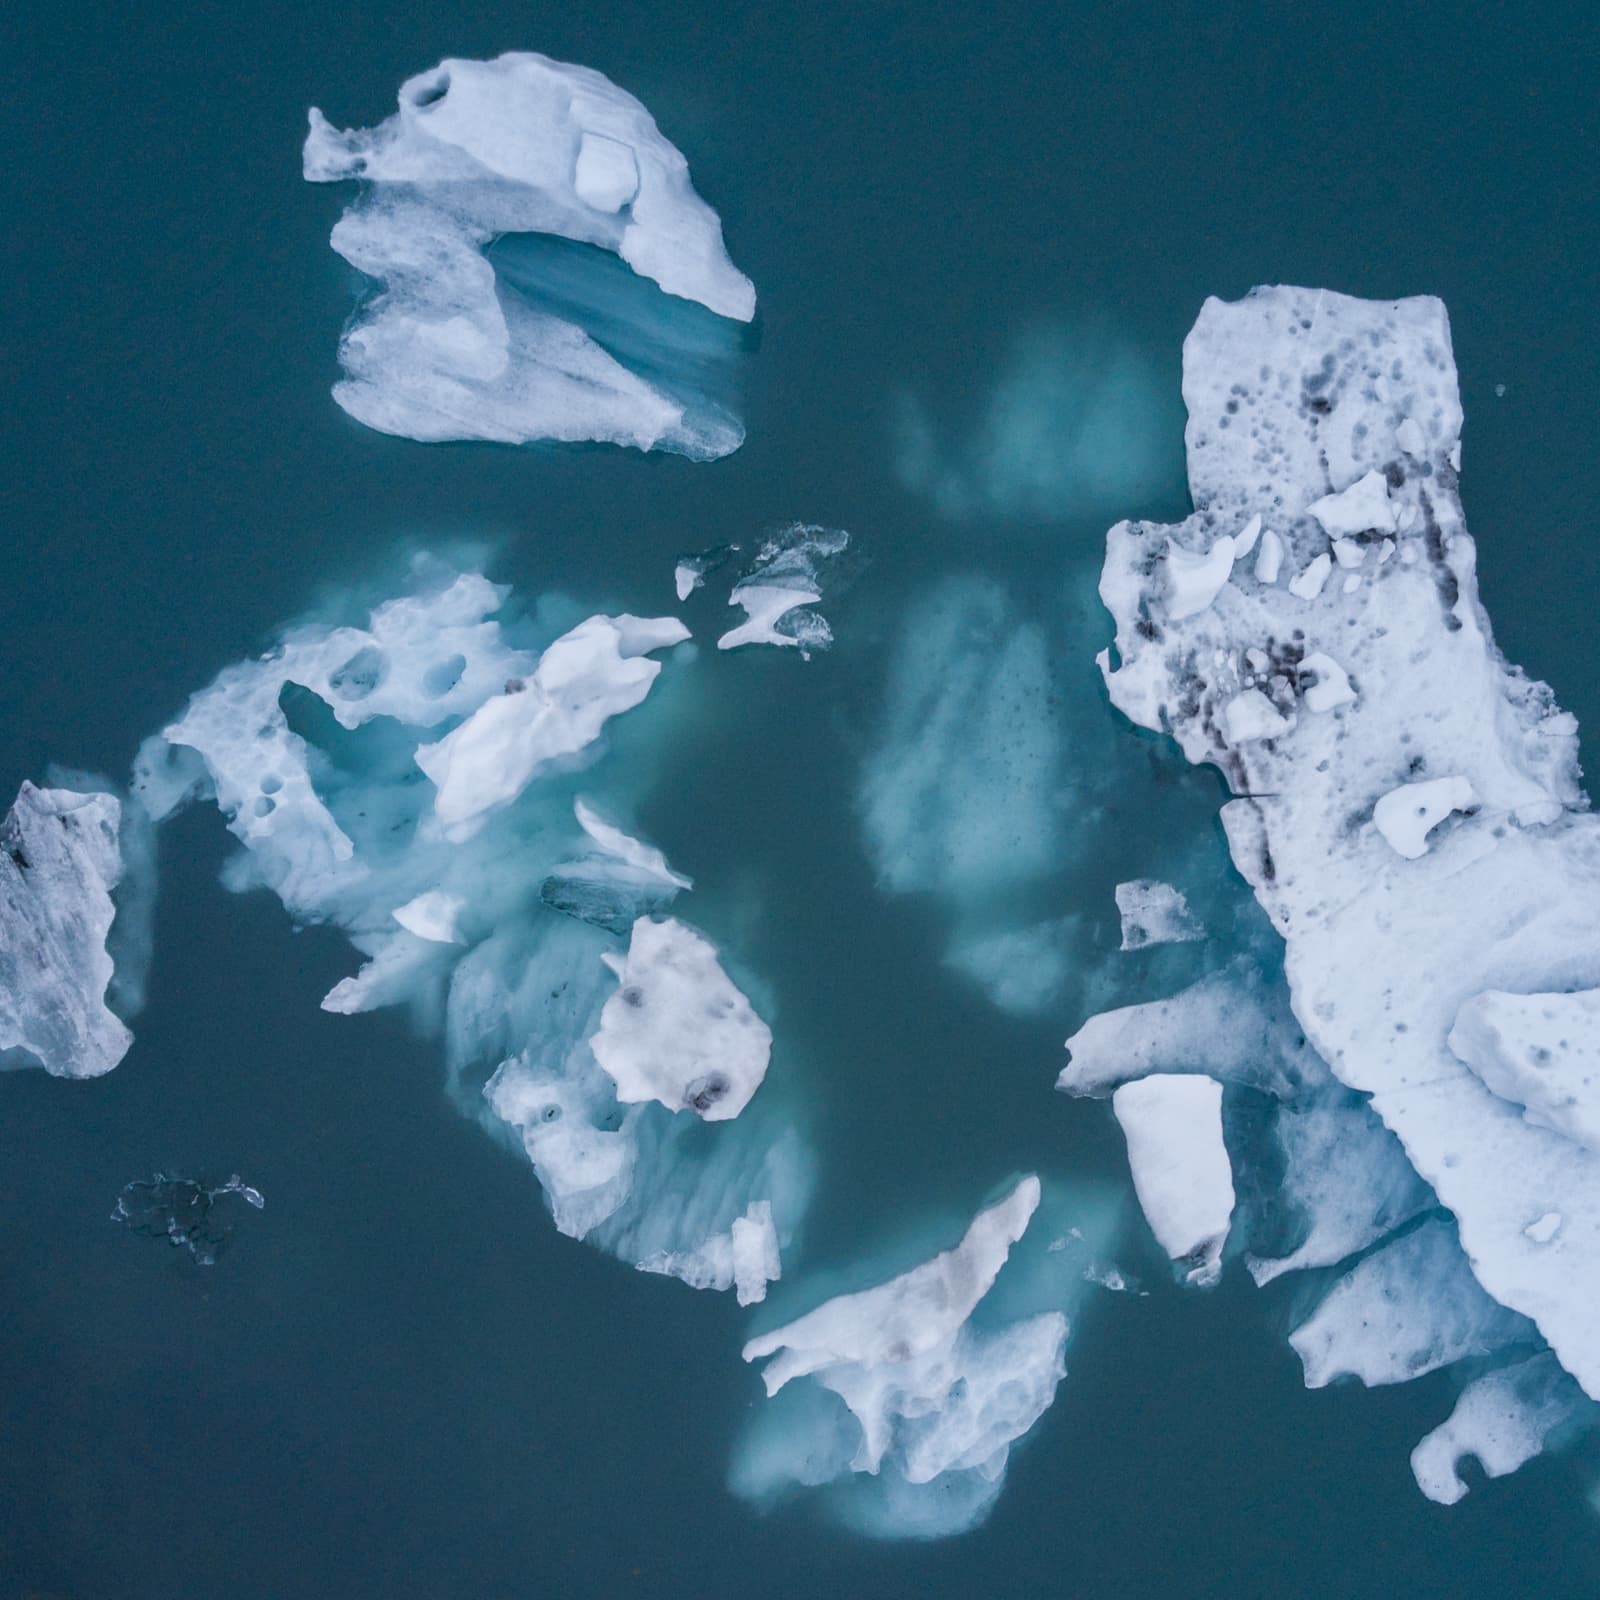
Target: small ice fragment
{"points": [[1349, 552], [764, 604], [1409, 437], [1153, 912], [1406, 815], [1251, 715], [1308, 585], [643, 858], [1269, 558], [1352, 583], [1195, 579], [1332, 686], [1244, 541], [1181, 1172], [1499, 391], [432, 916], [686, 579], [1385, 550], [1363, 506], [1545, 1228]]}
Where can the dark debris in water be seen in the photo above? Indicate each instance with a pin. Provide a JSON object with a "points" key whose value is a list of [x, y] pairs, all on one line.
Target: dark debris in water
{"points": [[187, 1212]]}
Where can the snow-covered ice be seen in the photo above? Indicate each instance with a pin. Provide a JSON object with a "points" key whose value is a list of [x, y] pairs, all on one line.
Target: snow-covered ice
{"points": [[518, 145], [59, 861], [1383, 946], [678, 1030], [1181, 1173]]}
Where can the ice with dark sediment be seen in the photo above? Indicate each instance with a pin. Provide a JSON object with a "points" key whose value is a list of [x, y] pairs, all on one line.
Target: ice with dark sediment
{"points": [[60, 860], [1408, 814], [552, 345]]}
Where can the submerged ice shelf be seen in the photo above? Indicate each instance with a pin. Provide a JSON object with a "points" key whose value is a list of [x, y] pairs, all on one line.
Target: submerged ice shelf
{"points": [[523, 145], [1408, 815]]}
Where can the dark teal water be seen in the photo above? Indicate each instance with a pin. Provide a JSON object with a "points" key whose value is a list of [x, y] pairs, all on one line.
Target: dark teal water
{"points": [[401, 1381]]}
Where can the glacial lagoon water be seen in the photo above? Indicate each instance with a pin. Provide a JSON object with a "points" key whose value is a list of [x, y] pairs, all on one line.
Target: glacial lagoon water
{"points": [[978, 245]]}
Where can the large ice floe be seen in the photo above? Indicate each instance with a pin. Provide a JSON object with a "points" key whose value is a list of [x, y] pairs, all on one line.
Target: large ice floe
{"points": [[432, 783], [61, 857], [614, 309], [1409, 816]]}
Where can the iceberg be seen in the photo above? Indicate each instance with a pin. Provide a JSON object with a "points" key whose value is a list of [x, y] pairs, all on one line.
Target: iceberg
{"points": [[1420, 843], [521, 145], [935, 1404], [781, 582], [677, 1030], [59, 861], [1173, 1125]]}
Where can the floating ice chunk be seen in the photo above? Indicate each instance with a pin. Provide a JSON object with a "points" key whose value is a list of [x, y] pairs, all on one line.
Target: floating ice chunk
{"points": [[1153, 912], [643, 858], [1407, 815], [902, 1319], [1349, 553], [1332, 686], [587, 676], [764, 604], [1504, 1418], [433, 914], [685, 580], [1181, 1173], [1540, 1052], [744, 1259], [1362, 508], [1231, 1026], [1195, 578], [677, 1030], [1244, 541], [1251, 715], [188, 1214], [1409, 438], [690, 572], [517, 145], [59, 862], [782, 579], [935, 1402], [1269, 559], [1307, 585], [1405, 1310]]}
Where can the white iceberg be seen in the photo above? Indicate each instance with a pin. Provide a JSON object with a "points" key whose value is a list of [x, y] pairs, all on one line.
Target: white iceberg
{"points": [[1382, 948], [1181, 1173], [59, 862], [520, 145], [678, 1030]]}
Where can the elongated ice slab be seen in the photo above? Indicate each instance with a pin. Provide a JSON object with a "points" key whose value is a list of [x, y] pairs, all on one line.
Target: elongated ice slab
{"points": [[1298, 400], [517, 145], [1173, 1125], [59, 861]]}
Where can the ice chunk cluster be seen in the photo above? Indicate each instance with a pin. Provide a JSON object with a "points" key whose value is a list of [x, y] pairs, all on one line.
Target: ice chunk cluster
{"points": [[1409, 816], [522, 145], [414, 782], [59, 861], [778, 588]]}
